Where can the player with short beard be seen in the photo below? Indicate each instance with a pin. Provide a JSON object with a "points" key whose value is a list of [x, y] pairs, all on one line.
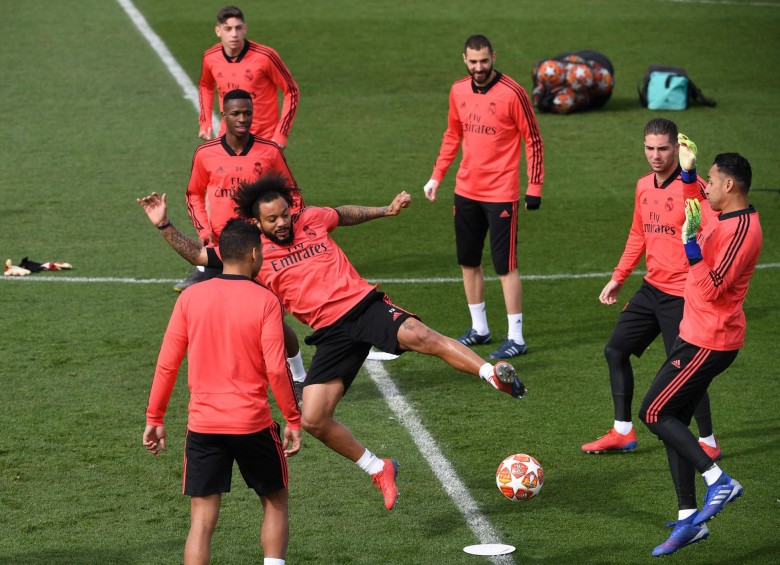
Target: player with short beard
{"points": [[490, 117], [318, 285]]}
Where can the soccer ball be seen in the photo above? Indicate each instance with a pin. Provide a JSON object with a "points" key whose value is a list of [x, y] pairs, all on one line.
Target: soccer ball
{"points": [[519, 477], [563, 101], [551, 74], [579, 76], [573, 59], [581, 98], [602, 81]]}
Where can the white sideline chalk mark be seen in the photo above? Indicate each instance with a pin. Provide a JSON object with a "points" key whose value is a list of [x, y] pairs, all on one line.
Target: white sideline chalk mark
{"points": [[35, 277], [441, 467], [173, 66]]}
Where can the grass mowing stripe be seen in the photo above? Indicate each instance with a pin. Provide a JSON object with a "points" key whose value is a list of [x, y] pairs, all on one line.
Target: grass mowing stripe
{"points": [[441, 467], [170, 62], [430, 280]]}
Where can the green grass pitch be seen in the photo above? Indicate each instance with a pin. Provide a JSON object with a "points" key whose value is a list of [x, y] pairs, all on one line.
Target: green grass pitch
{"points": [[92, 120]]}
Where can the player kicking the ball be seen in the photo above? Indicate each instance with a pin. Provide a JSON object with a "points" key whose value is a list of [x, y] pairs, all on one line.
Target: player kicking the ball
{"points": [[316, 282]]}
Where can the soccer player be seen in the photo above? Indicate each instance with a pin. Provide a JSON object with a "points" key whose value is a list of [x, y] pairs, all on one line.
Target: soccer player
{"points": [[657, 307], [231, 329], [236, 62], [489, 115], [722, 257], [219, 167], [317, 284]]}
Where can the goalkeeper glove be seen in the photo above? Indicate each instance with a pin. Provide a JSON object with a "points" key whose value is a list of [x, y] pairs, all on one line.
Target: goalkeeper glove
{"points": [[688, 154], [690, 229], [12, 270], [532, 202]]}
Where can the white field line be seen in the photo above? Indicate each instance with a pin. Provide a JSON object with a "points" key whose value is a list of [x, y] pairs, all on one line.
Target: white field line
{"points": [[173, 66], [50, 277], [440, 466]]}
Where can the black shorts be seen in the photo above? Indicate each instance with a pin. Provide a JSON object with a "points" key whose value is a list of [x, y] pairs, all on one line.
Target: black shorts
{"points": [[208, 461], [649, 312], [343, 346], [473, 220], [682, 381]]}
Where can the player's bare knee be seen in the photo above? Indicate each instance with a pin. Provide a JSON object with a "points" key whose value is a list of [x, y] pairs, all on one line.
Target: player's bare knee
{"points": [[313, 425]]}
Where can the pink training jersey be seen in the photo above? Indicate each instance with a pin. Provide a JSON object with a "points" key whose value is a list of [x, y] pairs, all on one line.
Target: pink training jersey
{"points": [[490, 123], [313, 278], [218, 171], [716, 286], [659, 213], [259, 70], [230, 327]]}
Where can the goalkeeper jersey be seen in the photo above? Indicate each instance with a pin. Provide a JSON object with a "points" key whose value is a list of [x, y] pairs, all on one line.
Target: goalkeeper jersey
{"points": [[716, 286], [490, 122], [259, 70], [659, 213], [230, 327], [218, 171]]}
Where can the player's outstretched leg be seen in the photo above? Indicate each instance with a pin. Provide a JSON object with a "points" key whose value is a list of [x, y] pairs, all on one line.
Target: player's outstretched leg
{"points": [[413, 335]]}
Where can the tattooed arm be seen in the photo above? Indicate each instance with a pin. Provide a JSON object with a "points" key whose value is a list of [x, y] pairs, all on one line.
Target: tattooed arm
{"points": [[157, 211], [353, 215]]}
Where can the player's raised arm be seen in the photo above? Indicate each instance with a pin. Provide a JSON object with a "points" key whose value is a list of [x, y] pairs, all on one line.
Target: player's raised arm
{"points": [[353, 215], [156, 209]]}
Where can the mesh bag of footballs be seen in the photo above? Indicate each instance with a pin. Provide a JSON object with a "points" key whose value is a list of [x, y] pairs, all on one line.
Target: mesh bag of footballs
{"points": [[573, 82]]}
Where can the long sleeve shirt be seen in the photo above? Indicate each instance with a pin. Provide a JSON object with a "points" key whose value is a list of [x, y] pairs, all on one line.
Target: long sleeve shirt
{"points": [[259, 70], [218, 171], [230, 327], [491, 123], [716, 286], [659, 213]]}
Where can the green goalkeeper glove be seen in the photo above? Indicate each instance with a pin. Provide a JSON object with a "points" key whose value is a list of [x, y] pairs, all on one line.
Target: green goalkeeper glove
{"points": [[692, 220], [690, 229]]}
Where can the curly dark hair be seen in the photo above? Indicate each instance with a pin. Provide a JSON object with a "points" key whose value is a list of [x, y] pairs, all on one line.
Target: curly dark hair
{"points": [[265, 189]]}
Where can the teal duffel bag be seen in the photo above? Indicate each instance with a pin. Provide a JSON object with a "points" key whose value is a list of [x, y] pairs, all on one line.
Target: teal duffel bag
{"points": [[669, 88]]}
